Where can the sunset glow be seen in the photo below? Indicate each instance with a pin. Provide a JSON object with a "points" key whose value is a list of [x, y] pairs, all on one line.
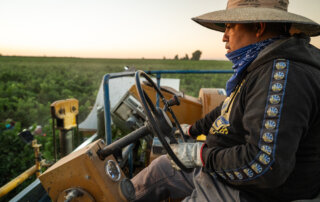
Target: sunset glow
{"points": [[117, 29]]}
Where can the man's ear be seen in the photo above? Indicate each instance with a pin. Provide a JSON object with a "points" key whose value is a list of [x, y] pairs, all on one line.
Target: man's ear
{"points": [[260, 29]]}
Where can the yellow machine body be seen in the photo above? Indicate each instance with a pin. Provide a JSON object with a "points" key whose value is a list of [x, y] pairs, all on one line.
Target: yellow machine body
{"points": [[83, 170], [190, 109], [66, 110], [193, 105]]}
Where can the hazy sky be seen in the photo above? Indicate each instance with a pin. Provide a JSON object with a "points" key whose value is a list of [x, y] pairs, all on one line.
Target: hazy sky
{"points": [[118, 28]]}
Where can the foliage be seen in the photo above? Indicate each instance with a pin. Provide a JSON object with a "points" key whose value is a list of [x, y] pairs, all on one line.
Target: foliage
{"points": [[186, 57], [16, 157], [196, 55], [28, 85]]}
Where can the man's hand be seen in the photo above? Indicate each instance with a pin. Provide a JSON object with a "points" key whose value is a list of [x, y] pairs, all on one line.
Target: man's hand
{"points": [[185, 129], [188, 154]]}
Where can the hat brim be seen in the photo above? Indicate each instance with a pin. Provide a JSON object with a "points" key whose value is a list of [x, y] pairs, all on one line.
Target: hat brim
{"points": [[216, 20]]}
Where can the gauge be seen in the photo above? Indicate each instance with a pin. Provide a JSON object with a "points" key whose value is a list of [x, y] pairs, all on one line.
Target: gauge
{"points": [[113, 171]]}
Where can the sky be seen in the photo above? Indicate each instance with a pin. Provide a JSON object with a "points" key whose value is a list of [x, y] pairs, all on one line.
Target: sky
{"points": [[117, 28]]}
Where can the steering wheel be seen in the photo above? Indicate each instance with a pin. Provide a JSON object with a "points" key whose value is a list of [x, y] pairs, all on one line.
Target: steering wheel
{"points": [[158, 119]]}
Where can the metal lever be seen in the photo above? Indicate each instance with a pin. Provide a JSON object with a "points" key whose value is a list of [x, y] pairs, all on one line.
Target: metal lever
{"points": [[174, 101]]}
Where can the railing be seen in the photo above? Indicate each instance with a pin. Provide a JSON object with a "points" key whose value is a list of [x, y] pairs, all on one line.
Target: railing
{"points": [[36, 186], [35, 169], [107, 77], [35, 191]]}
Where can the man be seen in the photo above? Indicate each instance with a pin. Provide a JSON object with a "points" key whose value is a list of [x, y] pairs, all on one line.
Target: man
{"points": [[263, 141]]}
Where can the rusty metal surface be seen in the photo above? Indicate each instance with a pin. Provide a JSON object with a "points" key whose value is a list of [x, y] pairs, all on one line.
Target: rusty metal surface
{"points": [[82, 169], [189, 110]]}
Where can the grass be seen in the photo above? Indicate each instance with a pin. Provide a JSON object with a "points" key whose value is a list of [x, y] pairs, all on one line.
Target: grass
{"points": [[96, 68], [28, 85]]}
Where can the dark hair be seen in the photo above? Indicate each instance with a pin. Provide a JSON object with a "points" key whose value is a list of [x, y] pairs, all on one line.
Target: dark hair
{"points": [[278, 28]]}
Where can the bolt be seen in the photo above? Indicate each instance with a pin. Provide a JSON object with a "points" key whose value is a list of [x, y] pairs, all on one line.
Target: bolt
{"points": [[73, 108], [89, 153]]}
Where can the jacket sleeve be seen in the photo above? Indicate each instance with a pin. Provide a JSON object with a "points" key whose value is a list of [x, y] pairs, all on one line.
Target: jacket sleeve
{"points": [[203, 125], [277, 106]]}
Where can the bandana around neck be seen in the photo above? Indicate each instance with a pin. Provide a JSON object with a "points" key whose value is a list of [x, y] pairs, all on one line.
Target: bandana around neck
{"points": [[241, 59]]}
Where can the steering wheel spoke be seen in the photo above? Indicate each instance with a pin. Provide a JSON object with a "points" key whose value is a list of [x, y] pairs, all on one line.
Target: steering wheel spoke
{"points": [[149, 102]]}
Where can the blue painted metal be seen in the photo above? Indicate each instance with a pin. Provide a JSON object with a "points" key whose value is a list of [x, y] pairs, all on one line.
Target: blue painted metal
{"points": [[107, 113], [158, 84], [107, 77], [130, 160], [107, 110], [42, 196], [189, 71], [33, 192], [159, 72]]}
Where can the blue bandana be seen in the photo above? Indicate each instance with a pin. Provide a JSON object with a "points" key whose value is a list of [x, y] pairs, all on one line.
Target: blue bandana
{"points": [[241, 59]]}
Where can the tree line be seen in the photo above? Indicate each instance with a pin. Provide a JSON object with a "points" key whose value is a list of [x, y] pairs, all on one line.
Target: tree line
{"points": [[195, 56]]}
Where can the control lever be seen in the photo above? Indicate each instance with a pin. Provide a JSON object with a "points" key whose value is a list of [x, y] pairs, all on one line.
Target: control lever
{"points": [[174, 101]]}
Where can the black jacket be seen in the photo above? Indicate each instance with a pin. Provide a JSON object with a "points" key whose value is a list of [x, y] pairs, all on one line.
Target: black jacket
{"points": [[265, 138]]}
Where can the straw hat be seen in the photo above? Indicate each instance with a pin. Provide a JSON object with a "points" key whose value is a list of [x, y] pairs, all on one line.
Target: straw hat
{"points": [[251, 11]]}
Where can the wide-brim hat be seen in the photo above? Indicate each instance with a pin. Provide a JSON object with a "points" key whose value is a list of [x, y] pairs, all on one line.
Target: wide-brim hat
{"points": [[253, 11]]}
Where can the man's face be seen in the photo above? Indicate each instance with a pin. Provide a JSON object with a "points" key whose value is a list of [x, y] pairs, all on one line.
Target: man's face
{"points": [[238, 35]]}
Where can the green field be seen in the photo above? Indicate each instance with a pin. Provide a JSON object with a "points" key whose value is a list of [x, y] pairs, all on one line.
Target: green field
{"points": [[28, 85]]}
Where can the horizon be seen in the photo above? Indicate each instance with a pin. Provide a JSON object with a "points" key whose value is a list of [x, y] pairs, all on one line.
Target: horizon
{"points": [[119, 30], [102, 58]]}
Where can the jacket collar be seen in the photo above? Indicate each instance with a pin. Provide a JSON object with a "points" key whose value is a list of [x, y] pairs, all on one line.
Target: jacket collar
{"points": [[295, 48]]}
